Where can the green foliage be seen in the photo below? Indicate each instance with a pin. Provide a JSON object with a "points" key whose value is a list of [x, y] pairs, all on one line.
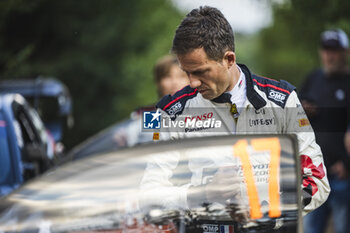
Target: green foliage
{"points": [[246, 48], [289, 48], [104, 51]]}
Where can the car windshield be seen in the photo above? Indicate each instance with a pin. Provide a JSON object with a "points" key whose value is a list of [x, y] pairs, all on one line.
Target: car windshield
{"points": [[168, 187]]}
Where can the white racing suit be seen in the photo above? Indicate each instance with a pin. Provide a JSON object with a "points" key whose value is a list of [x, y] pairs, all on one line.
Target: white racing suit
{"points": [[271, 107]]}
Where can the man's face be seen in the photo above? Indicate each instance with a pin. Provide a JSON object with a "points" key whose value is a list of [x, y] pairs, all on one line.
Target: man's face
{"points": [[210, 77], [333, 61], [175, 80]]}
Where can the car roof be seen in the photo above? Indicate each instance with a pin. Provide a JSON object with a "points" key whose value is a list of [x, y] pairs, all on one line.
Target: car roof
{"points": [[34, 87], [8, 98]]}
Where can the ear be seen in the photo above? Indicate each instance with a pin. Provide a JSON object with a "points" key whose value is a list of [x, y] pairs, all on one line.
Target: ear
{"points": [[230, 58]]}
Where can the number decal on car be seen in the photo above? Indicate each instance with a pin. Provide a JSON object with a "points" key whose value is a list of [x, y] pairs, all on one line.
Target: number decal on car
{"points": [[264, 144]]}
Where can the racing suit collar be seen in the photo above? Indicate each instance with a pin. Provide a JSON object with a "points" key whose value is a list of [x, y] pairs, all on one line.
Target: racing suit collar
{"points": [[223, 98], [254, 98]]}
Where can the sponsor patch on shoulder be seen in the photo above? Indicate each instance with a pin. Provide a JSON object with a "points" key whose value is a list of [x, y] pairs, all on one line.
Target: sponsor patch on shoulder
{"points": [[303, 122], [277, 96]]}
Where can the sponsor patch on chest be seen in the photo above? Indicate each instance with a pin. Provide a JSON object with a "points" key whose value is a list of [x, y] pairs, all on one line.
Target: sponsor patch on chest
{"points": [[261, 122]]}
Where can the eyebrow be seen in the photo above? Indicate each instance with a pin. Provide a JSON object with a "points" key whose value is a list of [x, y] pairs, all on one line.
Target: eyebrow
{"points": [[198, 71]]}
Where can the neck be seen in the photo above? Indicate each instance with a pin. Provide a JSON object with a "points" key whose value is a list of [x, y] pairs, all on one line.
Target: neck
{"points": [[234, 76]]}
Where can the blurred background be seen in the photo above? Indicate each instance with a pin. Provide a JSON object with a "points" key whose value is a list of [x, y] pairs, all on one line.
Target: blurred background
{"points": [[104, 51]]}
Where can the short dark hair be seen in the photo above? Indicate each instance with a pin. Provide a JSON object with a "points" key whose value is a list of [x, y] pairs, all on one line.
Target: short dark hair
{"points": [[207, 28]]}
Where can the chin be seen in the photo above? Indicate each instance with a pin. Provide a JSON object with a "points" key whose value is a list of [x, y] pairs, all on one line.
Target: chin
{"points": [[208, 96]]}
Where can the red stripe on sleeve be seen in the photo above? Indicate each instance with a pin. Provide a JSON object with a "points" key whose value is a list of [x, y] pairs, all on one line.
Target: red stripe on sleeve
{"points": [[270, 85], [180, 97]]}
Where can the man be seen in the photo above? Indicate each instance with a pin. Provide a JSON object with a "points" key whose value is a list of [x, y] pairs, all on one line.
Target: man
{"points": [[244, 103], [325, 96]]}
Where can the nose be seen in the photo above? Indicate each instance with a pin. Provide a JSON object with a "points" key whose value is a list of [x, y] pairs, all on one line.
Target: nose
{"points": [[194, 81]]}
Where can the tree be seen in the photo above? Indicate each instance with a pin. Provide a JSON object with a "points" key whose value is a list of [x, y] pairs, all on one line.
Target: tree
{"points": [[288, 49], [103, 51]]}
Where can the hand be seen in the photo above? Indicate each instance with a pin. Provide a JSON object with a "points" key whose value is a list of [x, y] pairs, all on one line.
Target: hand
{"points": [[225, 186]]}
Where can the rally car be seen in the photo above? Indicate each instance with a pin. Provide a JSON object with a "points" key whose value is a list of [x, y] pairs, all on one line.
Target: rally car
{"points": [[112, 192], [49, 97], [26, 147]]}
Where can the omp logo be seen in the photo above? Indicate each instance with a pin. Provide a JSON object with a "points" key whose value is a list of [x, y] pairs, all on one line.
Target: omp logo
{"points": [[277, 96], [175, 108], [151, 120], [210, 228]]}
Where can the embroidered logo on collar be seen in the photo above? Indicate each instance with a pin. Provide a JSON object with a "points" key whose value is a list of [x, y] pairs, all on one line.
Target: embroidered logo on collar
{"points": [[175, 109], [277, 96]]}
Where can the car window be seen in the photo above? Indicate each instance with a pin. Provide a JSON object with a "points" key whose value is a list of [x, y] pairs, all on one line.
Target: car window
{"points": [[168, 187], [28, 131], [238, 186], [37, 123], [18, 133]]}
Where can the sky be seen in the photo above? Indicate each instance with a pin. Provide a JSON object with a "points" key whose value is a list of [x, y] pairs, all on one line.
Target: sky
{"points": [[245, 16]]}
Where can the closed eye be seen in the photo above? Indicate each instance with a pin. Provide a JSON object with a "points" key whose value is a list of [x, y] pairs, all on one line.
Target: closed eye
{"points": [[199, 72]]}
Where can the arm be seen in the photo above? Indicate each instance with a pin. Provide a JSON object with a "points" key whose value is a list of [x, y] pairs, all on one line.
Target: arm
{"points": [[315, 186], [156, 188]]}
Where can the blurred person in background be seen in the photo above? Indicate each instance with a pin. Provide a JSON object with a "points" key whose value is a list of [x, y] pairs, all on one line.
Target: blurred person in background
{"points": [[169, 78], [325, 96]]}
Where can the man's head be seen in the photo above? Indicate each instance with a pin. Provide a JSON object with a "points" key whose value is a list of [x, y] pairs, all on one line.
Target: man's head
{"points": [[204, 45], [168, 76], [205, 28], [334, 51]]}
